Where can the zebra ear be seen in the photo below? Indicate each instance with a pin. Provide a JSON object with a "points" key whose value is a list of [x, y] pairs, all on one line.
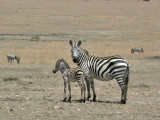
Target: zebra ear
{"points": [[71, 43], [79, 43], [61, 59]]}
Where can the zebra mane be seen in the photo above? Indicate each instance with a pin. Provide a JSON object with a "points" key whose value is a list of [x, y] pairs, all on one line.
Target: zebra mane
{"points": [[62, 60], [115, 56], [87, 53], [118, 56]]}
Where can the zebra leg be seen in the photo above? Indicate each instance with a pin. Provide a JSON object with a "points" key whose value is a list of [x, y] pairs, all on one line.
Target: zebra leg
{"points": [[123, 97], [83, 92], [93, 89], [81, 85], [126, 80], [65, 87], [69, 88], [84, 88], [12, 60], [88, 87], [123, 83]]}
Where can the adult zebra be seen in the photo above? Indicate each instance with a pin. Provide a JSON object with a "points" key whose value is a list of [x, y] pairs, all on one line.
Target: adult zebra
{"points": [[102, 68], [11, 57]]}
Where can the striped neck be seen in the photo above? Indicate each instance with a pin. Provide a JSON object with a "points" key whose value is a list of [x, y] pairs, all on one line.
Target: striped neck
{"points": [[83, 57], [64, 67]]}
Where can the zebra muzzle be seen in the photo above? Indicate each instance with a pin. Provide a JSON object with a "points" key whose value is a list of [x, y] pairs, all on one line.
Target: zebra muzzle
{"points": [[75, 60], [54, 71]]}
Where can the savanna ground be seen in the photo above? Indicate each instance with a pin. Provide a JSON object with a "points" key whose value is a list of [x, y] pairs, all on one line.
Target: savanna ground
{"points": [[39, 32]]}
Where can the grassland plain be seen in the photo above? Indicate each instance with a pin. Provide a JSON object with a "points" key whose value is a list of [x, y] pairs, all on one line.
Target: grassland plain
{"points": [[39, 32]]}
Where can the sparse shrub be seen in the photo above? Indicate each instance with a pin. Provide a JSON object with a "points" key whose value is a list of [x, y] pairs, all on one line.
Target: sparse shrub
{"points": [[48, 76], [28, 76], [84, 40], [55, 76], [10, 79], [144, 85], [35, 38], [141, 86]]}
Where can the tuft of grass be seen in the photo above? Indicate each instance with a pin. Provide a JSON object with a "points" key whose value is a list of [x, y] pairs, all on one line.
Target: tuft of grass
{"points": [[54, 75], [48, 76], [141, 86], [10, 79], [28, 76], [35, 38], [84, 40]]}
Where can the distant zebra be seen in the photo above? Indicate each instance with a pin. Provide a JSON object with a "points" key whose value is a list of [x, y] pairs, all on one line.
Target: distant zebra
{"points": [[11, 57], [102, 68], [71, 75], [140, 50]]}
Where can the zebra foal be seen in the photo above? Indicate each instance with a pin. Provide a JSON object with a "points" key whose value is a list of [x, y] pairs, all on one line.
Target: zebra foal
{"points": [[11, 57], [71, 75], [140, 50], [102, 68]]}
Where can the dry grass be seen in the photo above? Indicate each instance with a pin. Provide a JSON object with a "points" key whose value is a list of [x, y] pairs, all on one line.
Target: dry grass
{"points": [[10, 79], [38, 53], [106, 28], [46, 53]]}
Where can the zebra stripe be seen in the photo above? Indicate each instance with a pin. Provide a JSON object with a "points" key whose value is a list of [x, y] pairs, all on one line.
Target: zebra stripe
{"points": [[102, 68], [71, 75]]}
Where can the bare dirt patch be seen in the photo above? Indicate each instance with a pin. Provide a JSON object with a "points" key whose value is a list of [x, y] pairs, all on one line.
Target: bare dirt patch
{"points": [[39, 32]]}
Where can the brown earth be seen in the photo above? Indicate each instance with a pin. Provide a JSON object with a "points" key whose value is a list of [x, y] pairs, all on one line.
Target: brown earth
{"points": [[39, 32]]}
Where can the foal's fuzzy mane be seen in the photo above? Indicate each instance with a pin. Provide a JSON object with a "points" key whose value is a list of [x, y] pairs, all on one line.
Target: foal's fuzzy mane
{"points": [[62, 60]]}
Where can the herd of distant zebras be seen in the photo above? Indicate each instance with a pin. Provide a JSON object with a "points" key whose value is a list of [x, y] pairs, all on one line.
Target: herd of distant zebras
{"points": [[89, 67]]}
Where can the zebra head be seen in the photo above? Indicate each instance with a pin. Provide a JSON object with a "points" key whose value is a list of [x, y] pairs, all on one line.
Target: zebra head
{"points": [[76, 50], [142, 50], [61, 65], [57, 67], [18, 59]]}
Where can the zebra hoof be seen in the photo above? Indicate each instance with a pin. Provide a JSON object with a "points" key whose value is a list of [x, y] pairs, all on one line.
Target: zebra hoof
{"points": [[64, 100], [88, 98], [69, 100], [94, 100], [123, 102], [82, 101]]}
